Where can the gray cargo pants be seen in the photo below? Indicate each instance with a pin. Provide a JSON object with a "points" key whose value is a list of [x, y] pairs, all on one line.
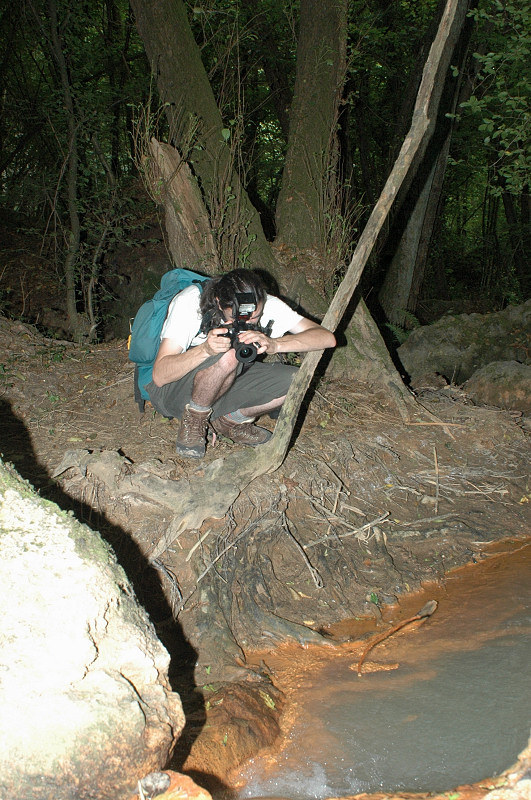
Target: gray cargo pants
{"points": [[254, 386]]}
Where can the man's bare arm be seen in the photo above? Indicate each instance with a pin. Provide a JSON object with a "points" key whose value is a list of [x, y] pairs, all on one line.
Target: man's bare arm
{"points": [[172, 363], [303, 337]]}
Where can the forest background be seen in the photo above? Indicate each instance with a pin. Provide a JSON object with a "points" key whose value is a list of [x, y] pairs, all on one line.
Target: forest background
{"points": [[288, 117]]}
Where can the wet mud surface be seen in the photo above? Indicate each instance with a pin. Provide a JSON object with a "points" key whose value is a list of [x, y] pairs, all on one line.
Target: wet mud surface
{"points": [[365, 510]]}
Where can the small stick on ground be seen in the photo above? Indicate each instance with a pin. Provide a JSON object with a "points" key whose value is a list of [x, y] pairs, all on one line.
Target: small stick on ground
{"points": [[437, 479], [425, 611]]}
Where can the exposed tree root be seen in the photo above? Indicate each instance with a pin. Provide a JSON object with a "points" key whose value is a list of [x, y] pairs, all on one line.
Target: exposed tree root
{"points": [[425, 612]]}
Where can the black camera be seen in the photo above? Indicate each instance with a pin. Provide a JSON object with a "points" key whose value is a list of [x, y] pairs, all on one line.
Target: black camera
{"points": [[245, 353]]}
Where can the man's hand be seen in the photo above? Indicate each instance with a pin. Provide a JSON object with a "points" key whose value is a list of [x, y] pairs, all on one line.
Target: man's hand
{"points": [[262, 342], [305, 336], [217, 342], [172, 363]]}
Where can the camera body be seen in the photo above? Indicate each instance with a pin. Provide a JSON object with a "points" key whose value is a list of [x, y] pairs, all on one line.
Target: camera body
{"points": [[245, 353]]}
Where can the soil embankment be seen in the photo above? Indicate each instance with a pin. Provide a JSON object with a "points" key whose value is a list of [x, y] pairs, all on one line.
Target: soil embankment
{"points": [[365, 509]]}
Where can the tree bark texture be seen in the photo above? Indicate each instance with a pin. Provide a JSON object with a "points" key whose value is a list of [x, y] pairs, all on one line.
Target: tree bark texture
{"points": [[399, 293], [196, 125], [321, 65], [190, 239]]}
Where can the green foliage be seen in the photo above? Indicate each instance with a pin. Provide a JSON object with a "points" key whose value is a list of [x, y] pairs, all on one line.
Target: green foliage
{"points": [[384, 46], [249, 51], [501, 102], [46, 121], [268, 700], [34, 99], [479, 255], [401, 332]]}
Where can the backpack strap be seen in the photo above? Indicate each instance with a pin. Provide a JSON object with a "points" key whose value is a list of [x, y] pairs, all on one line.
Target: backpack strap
{"points": [[139, 400]]}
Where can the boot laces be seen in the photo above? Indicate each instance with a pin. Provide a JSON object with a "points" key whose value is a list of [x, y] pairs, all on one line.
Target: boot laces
{"points": [[193, 426]]}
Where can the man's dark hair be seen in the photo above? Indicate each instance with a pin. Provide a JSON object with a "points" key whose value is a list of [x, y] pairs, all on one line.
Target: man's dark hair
{"points": [[220, 293]]}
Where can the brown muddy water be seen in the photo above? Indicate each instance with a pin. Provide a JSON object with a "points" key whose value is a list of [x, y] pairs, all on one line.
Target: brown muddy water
{"points": [[438, 704]]}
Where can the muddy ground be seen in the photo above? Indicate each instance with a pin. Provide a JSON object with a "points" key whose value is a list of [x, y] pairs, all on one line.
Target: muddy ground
{"points": [[365, 509]]}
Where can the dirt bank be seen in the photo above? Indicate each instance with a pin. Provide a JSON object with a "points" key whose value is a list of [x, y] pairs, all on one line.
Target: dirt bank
{"points": [[365, 509]]}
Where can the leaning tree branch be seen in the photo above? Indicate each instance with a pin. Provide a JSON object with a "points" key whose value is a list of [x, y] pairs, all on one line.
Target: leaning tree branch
{"points": [[223, 480]]}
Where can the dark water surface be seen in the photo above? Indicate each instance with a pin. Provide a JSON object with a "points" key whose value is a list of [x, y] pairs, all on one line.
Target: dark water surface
{"points": [[456, 710]]}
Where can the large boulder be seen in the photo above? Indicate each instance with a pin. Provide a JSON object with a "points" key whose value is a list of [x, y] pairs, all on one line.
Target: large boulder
{"points": [[505, 384], [87, 708], [457, 346]]}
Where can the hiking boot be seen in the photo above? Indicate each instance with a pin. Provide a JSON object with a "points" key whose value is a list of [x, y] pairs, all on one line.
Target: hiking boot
{"points": [[191, 439], [241, 432]]}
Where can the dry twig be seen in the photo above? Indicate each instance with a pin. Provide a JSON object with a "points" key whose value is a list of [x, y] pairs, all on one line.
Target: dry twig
{"points": [[316, 577], [437, 480], [360, 533]]}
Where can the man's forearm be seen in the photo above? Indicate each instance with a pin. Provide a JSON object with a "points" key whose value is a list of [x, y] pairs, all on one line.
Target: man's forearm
{"points": [[317, 338], [175, 366]]}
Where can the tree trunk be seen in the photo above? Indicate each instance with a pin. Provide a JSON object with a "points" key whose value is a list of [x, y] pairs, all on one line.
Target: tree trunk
{"points": [[310, 161], [518, 234], [117, 39], [197, 130], [74, 235], [490, 267], [190, 239], [399, 293]]}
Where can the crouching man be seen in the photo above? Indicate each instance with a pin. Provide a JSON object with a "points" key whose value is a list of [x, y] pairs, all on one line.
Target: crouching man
{"points": [[205, 372]]}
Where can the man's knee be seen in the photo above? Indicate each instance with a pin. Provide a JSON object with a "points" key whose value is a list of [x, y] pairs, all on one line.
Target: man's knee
{"points": [[223, 364], [283, 376]]}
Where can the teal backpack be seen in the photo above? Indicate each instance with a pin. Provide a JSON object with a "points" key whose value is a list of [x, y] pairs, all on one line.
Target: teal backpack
{"points": [[144, 340]]}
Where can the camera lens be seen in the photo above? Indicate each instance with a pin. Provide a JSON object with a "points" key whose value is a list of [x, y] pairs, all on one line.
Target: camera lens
{"points": [[246, 353]]}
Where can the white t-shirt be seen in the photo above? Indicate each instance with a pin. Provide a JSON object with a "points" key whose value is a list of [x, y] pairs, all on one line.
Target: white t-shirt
{"points": [[184, 318]]}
